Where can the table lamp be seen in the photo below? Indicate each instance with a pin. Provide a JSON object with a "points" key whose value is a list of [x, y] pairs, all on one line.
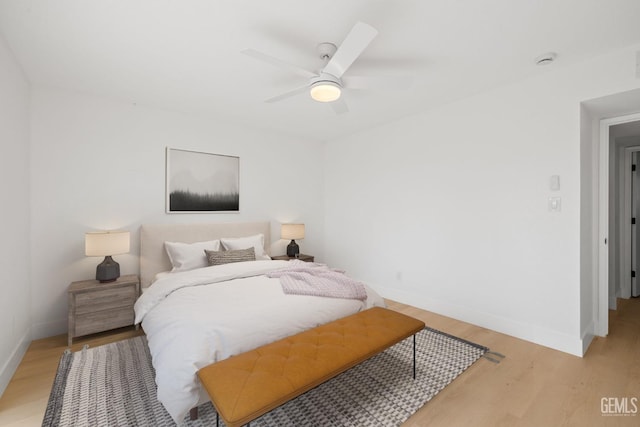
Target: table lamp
{"points": [[292, 232], [106, 244]]}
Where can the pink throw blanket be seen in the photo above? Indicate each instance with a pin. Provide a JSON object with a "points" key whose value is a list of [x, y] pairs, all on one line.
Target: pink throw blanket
{"points": [[305, 278]]}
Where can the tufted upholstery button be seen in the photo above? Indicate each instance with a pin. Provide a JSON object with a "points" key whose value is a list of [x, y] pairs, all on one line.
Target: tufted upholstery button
{"points": [[248, 385]]}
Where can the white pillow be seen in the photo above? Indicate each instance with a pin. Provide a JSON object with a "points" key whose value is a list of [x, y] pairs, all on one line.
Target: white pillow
{"points": [[257, 242], [187, 256]]}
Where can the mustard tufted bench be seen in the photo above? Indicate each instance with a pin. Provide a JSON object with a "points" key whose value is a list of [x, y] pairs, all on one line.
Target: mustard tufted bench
{"points": [[248, 385]]}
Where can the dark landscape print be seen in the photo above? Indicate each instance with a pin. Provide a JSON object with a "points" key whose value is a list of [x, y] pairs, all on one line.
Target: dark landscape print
{"points": [[202, 182], [188, 201]]}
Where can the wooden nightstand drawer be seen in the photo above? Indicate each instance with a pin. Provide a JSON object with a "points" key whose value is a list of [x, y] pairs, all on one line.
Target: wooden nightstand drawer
{"points": [[99, 321], [105, 299]]}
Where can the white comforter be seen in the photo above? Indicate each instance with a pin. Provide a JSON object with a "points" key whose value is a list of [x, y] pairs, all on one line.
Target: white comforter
{"points": [[197, 317]]}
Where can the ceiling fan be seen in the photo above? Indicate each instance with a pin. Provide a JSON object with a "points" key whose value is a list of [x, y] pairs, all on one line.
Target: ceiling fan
{"points": [[327, 84]]}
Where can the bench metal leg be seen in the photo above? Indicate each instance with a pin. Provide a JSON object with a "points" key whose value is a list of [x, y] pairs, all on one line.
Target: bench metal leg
{"points": [[414, 356], [217, 419]]}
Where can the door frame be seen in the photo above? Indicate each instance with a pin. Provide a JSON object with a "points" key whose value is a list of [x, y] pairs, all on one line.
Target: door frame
{"points": [[602, 324]]}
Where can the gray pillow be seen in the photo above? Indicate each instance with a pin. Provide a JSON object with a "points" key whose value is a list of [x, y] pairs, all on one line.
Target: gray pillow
{"points": [[227, 257]]}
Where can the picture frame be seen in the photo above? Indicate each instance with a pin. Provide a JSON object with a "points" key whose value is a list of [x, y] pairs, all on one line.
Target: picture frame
{"points": [[199, 182]]}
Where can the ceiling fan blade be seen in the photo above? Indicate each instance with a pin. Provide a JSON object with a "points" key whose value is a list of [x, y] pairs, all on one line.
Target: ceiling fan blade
{"points": [[378, 83], [356, 42], [288, 94], [339, 106], [278, 63]]}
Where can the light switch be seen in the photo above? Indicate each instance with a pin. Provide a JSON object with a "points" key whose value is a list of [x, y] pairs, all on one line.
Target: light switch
{"points": [[554, 182], [555, 203]]}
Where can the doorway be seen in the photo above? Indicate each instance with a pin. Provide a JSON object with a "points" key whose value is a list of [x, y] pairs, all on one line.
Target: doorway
{"points": [[624, 213], [635, 223], [614, 253], [597, 115]]}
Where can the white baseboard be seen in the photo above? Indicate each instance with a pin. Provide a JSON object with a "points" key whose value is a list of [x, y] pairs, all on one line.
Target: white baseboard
{"points": [[588, 334], [586, 342], [538, 335], [9, 368], [613, 303]]}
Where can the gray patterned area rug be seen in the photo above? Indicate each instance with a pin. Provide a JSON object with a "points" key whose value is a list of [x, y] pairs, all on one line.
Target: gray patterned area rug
{"points": [[113, 385]]}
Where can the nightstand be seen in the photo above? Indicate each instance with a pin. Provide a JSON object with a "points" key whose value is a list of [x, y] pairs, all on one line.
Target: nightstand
{"points": [[98, 307], [301, 257]]}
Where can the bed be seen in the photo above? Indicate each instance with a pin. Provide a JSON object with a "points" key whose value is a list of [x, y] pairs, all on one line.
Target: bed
{"points": [[196, 316]]}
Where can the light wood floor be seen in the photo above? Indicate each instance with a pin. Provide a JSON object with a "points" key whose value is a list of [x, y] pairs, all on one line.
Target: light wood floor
{"points": [[532, 386]]}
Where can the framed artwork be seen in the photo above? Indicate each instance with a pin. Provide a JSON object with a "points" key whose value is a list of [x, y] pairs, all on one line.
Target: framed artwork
{"points": [[202, 182]]}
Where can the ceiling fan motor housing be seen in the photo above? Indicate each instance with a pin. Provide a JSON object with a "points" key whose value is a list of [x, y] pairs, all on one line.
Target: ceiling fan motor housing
{"points": [[327, 78]]}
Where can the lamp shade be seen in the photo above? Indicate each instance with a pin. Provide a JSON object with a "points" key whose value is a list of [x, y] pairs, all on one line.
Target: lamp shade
{"points": [[106, 243], [292, 231]]}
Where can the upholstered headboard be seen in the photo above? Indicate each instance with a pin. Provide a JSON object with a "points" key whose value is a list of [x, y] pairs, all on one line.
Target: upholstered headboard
{"points": [[154, 258]]}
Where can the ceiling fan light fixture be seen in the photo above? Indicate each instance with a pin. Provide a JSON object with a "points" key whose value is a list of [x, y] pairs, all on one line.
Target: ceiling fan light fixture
{"points": [[325, 91]]}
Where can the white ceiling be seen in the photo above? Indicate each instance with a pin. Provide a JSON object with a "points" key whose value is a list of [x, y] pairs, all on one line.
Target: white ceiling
{"points": [[185, 54]]}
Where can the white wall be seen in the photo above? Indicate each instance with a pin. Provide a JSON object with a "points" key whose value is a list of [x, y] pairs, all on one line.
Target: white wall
{"points": [[100, 164], [15, 315], [447, 210]]}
